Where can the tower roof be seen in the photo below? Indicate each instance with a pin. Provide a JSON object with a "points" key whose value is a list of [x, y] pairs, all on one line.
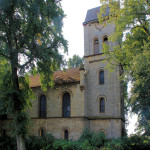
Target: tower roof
{"points": [[91, 15]]}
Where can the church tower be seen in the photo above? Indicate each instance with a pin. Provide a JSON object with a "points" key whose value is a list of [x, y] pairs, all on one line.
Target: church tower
{"points": [[103, 101], [88, 97]]}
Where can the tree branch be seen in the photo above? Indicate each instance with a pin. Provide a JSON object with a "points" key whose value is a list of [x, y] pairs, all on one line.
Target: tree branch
{"points": [[25, 64], [147, 1], [4, 56], [145, 29]]}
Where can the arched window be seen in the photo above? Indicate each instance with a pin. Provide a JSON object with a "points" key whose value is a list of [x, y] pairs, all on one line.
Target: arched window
{"points": [[105, 39], [43, 106], [66, 105], [96, 46], [102, 105], [42, 132], [101, 77], [66, 134]]}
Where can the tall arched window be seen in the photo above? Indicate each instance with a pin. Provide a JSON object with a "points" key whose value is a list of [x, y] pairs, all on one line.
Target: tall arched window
{"points": [[66, 105], [101, 77], [96, 46], [66, 134], [43, 106], [102, 105]]}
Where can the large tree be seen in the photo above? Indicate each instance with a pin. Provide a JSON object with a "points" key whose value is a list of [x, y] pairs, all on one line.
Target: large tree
{"points": [[132, 54], [30, 41]]}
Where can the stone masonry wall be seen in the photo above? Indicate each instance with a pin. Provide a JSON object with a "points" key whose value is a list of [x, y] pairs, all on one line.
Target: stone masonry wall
{"points": [[54, 101]]}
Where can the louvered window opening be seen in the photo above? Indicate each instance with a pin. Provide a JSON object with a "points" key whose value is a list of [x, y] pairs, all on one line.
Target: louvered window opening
{"points": [[96, 46]]}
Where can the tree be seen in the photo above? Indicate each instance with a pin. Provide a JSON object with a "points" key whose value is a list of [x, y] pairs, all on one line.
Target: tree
{"points": [[132, 21], [75, 61], [30, 40]]}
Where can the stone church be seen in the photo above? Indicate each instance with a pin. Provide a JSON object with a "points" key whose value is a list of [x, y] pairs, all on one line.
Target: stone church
{"points": [[88, 97]]}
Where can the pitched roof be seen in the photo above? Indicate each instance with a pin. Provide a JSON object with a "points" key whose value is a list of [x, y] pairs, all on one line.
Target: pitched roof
{"points": [[91, 15], [60, 77]]}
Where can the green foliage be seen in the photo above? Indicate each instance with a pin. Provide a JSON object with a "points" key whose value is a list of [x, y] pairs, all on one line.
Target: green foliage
{"points": [[33, 143], [139, 142], [92, 139], [40, 143], [7, 143], [48, 141], [22, 122], [31, 31], [132, 33], [30, 41], [74, 62], [98, 139], [86, 135], [140, 100], [5, 81], [85, 145], [128, 143], [119, 144], [66, 145]]}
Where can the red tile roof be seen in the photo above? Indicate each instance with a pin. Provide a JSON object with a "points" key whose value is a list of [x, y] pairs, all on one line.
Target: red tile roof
{"points": [[69, 76]]}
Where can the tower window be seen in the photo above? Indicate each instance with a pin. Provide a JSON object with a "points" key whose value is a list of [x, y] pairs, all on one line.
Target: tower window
{"points": [[66, 105], [66, 134], [102, 105], [105, 39], [101, 77], [96, 46], [43, 106]]}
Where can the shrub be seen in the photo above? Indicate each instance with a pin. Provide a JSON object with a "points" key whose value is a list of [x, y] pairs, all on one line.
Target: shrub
{"points": [[98, 139], [86, 135], [33, 143], [121, 143], [66, 145], [139, 142], [40, 143], [8, 143], [47, 141], [87, 146]]}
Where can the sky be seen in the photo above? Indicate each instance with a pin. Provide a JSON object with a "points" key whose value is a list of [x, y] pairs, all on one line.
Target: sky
{"points": [[75, 11]]}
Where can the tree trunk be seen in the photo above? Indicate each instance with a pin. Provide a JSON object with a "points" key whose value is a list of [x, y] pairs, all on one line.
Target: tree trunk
{"points": [[16, 96], [20, 143]]}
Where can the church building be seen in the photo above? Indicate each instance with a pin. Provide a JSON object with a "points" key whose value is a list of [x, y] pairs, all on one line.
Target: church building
{"points": [[89, 97]]}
